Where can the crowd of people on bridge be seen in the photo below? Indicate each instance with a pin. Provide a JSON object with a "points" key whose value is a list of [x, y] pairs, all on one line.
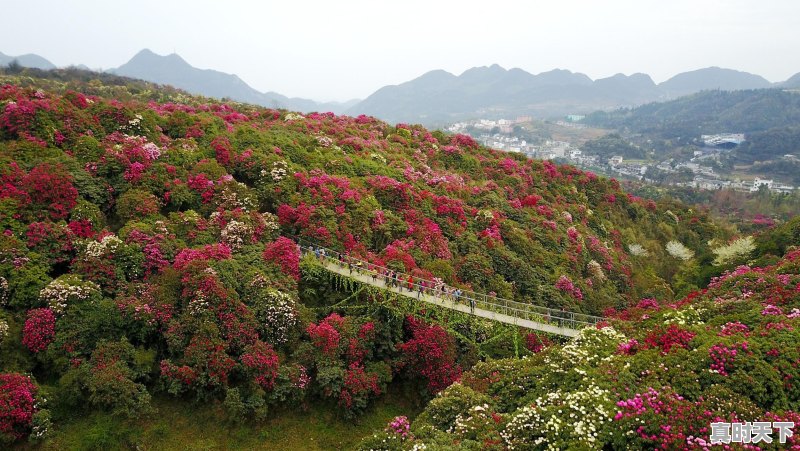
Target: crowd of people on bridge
{"points": [[394, 279], [406, 282]]}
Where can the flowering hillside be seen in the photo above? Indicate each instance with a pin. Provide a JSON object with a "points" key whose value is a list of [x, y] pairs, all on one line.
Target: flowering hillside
{"points": [[145, 249], [654, 377]]}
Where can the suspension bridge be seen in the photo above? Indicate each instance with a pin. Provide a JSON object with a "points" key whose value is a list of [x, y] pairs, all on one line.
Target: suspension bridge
{"points": [[534, 317]]}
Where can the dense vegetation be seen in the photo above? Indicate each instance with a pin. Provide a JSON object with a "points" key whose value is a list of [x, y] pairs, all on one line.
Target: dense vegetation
{"points": [[145, 251], [747, 211], [612, 145], [707, 112], [654, 377]]}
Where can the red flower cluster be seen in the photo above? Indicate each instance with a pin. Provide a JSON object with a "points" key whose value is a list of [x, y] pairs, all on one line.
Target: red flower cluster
{"points": [[219, 251], [536, 342], [17, 405], [357, 383], [431, 355], [286, 255], [669, 338], [39, 329], [325, 336], [262, 361]]}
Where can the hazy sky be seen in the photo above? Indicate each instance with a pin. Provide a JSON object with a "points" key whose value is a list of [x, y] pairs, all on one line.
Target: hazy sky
{"points": [[340, 49]]}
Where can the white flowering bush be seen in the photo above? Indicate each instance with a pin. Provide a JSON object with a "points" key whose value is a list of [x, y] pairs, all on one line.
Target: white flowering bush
{"points": [[378, 157], [107, 245], [324, 141], [3, 291], [734, 252], [198, 304], [673, 216], [591, 347], [270, 222], [279, 170], [596, 271], [475, 423], [235, 195], [484, 215], [679, 251], [275, 311], [3, 330], [293, 117], [637, 250], [561, 420], [236, 234], [67, 289], [453, 402], [688, 316]]}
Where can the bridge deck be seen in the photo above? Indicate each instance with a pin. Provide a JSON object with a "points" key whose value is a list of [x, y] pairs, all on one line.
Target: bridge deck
{"points": [[506, 314]]}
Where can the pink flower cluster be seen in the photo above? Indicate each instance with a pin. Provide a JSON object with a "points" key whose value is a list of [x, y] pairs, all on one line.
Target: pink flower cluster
{"points": [[639, 404], [565, 284], [431, 354], [647, 304], [325, 336], [358, 383], [722, 356], [771, 310], [733, 328], [629, 347], [399, 426]]}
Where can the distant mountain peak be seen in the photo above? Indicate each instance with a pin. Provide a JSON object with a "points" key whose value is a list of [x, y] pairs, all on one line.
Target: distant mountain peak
{"points": [[27, 60], [173, 70], [713, 77]]}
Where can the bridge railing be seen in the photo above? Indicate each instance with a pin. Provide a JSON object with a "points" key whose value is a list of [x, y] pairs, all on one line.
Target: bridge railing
{"points": [[472, 299]]}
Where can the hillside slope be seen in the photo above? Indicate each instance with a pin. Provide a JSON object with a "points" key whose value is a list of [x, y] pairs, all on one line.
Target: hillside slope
{"points": [[145, 251], [655, 377]]}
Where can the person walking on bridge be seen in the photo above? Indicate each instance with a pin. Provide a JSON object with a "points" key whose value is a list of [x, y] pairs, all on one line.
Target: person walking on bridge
{"points": [[472, 305]]}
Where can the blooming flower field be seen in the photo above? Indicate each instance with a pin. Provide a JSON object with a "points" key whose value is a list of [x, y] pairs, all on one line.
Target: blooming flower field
{"points": [[146, 247]]}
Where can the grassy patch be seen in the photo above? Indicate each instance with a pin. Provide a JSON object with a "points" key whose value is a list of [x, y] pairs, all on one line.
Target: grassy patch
{"points": [[182, 425]]}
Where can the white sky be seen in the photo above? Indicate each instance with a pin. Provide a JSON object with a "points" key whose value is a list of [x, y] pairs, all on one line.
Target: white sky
{"points": [[341, 49]]}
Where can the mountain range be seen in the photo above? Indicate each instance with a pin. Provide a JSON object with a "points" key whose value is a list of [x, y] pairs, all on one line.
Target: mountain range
{"points": [[439, 97]]}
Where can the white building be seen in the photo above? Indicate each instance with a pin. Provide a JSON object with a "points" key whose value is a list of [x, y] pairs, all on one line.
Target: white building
{"points": [[758, 183]]}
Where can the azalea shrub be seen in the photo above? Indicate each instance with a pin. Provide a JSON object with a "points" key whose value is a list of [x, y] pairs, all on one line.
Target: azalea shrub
{"points": [[21, 411], [430, 355]]}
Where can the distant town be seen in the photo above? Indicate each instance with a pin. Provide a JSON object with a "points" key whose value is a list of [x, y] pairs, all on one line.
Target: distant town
{"points": [[696, 170]]}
